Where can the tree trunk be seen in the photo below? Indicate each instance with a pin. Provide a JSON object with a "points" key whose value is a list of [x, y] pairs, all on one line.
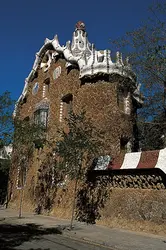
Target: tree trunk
{"points": [[74, 200], [21, 200]]}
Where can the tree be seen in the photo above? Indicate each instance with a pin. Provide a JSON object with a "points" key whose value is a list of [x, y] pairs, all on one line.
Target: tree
{"points": [[152, 134], [6, 133], [27, 136], [74, 147], [6, 121], [4, 173], [146, 49]]}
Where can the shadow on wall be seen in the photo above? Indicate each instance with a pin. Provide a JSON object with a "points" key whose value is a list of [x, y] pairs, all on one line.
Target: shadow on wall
{"points": [[47, 186], [45, 191], [12, 236], [91, 197]]}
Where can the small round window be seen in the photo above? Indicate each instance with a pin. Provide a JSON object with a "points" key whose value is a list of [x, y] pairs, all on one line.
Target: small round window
{"points": [[35, 88]]}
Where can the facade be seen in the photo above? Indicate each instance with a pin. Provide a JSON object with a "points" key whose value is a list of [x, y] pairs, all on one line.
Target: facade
{"points": [[79, 77]]}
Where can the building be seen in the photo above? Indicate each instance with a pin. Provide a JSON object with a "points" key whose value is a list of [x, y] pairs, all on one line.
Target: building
{"points": [[79, 77], [5, 152]]}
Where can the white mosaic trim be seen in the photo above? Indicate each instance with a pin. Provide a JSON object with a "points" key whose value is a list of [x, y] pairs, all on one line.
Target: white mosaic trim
{"points": [[64, 182], [44, 90], [161, 162], [53, 176], [127, 108], [102, 162], [17, 180], [61, 111], [47, 65], [131, 160]]}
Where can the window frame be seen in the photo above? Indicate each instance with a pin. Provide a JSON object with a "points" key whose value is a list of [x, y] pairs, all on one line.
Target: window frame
{"points": [[38, 117]]}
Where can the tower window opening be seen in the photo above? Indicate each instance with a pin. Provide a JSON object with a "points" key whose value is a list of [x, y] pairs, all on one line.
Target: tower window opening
{"points": [[120, 99], [67, 105], [123, 144], [123, 100]]}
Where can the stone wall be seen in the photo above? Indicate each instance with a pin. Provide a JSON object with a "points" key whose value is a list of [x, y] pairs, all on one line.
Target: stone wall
{"points": [[98, 97], [138, 210], [129, 208], [132, 209]]}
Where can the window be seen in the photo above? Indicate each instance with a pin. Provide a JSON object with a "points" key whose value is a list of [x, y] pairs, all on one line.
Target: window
{"points": [[27, 119], [35, 88], [67, 105], [24, 100], [41, 117], [123, 144], [57, 72]]}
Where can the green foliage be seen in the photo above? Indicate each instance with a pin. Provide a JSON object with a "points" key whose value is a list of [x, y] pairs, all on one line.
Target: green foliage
{"points": [[6, 121], [6, 134], [75, 146], [4, 173], [5, 166], [27, 135], [152, 135], [146, 49]]}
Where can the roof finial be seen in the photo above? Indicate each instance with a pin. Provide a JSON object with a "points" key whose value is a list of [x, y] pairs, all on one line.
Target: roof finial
{"points": [[80, 26]]}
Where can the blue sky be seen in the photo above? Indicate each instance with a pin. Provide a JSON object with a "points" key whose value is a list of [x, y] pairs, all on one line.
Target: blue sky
{"points": [[24, 25]]}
